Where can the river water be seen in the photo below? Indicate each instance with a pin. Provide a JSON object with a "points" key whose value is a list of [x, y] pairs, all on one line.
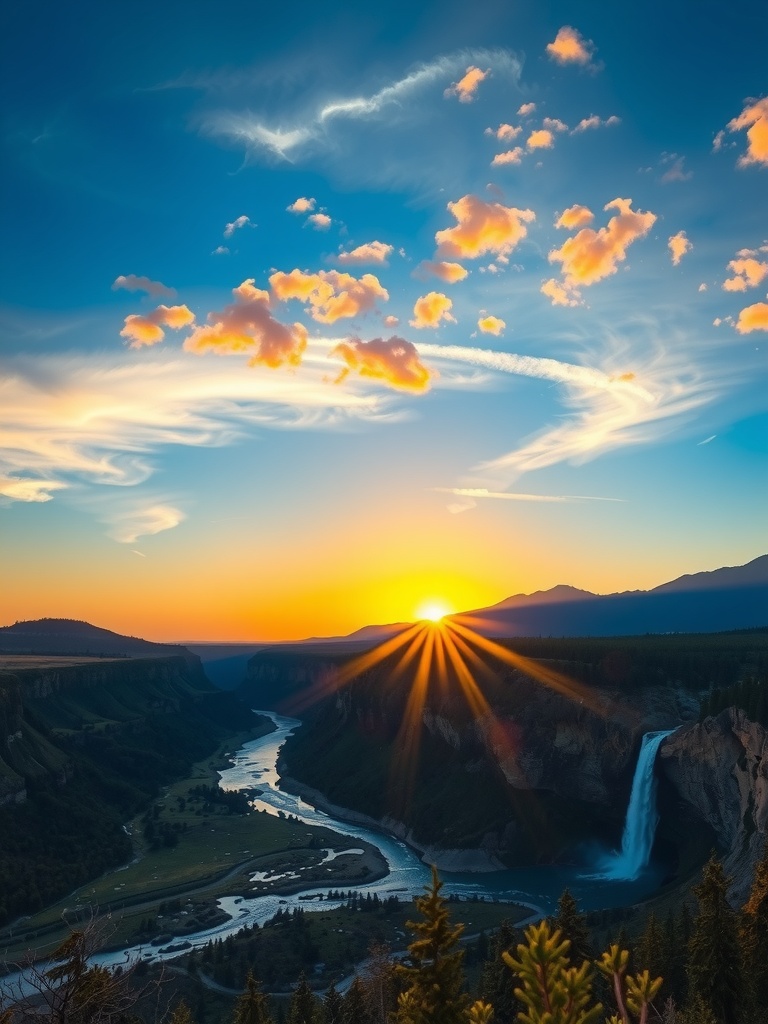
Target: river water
{"points": [[255, 767]]}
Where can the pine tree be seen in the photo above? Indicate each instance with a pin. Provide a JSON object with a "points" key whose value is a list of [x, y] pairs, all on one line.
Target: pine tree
{"points": [[573, 926], [333, 1006], [303, 1007], [182, 1014], [355, 1009], [754, 933], [498, 982], [714, 964], [649, 952], [433, 976], [252, 1007]]}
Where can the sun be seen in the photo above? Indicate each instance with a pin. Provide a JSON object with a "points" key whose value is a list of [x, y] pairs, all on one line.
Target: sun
{"points": [[433, 611]]}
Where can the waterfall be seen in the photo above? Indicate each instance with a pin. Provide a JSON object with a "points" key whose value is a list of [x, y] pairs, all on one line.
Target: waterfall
{"points": [[642, 817]]}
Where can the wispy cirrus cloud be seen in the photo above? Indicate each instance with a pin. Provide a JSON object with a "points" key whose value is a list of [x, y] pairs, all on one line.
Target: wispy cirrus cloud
{"points": [[130, 524], [483, 492]]}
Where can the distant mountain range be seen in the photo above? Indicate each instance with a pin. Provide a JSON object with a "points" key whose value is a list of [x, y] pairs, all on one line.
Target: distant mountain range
{"points": [[734, 597]]}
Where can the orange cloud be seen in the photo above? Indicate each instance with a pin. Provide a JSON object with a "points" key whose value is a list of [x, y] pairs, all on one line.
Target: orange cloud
{"points": [[491, 325], [449, 272], [147, 329], [541, 139], [748, 273], [132, 283], [678, 246], [319, 221], [247, 325], [394, 361], [575, 217], [570, 47], [526, 110], [302, 205], [754, 117], [593, 121], [370, 252], [559, 294], [505, 132], [591, 255], [331, 295], [753, 318], [511, 156], [466, 88], [430, 309], [481, 228], [391, 321]]}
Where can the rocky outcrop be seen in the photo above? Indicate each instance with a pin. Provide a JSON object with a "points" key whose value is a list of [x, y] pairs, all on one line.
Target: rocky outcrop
{"points": [[720, 768]]}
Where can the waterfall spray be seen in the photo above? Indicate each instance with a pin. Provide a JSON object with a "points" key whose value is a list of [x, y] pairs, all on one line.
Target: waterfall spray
{"points": [[642, 817]]}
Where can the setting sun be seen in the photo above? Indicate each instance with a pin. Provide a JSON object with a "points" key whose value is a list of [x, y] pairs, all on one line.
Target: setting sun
{"points": [[432, 610]]}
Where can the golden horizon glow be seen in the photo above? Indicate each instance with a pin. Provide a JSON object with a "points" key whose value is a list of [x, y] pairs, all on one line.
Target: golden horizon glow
{"points": [[432, 610]]}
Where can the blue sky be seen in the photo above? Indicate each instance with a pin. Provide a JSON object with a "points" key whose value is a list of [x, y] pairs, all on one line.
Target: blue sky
{"points": [[364, 205]]}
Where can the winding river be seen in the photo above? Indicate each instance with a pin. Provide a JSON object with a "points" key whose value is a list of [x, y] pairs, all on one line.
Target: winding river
{"points": [[254, 766]]}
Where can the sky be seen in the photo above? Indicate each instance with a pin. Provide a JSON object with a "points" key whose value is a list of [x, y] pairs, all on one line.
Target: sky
{"points": [[311, 315]]}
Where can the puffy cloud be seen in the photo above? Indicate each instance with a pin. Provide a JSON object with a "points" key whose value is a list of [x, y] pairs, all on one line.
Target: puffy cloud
{"points": [[302, 205], [491, 325], [446, 271], [511, 156], [702, 287], [147, 329], [482, 228], [467, 86], [132, 283], [753, 318], [28, 489], [319, 221], [236, 224], [678, 246], [391, 321], [394, 361], [754, 117], [370, 252], [675, 170], [220, 250], [554, 124], [145, 522], [590, 255], [575, 217], [570, 47], [247, 325], [330, 294], [526, 110], [593, 121], [505, 132], [559, 294], [430, 309], [542, 138], [747, 273]]}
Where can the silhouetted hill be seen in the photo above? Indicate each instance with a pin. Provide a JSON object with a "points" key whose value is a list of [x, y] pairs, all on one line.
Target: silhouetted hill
{"points": [[72, 636]]}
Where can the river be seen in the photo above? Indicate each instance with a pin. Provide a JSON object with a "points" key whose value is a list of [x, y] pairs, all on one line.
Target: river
{"points": [[254, 766]]}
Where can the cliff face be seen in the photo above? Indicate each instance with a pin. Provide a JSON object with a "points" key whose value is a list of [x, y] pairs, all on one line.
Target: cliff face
{"points": [[720, 768]]}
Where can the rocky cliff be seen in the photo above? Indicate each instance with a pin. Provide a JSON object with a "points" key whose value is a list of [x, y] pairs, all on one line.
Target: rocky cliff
{"points": [[720, 768]]}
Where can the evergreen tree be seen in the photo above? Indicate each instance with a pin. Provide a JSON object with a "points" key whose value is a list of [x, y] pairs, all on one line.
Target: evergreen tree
{"points": [[303, 1007], [333, 1007], [498, 982], [433, 975], [714, 964], [182, 1014], [649, 952], [252, 1007], [573, 926], [754, 934], [355, 1009]]}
